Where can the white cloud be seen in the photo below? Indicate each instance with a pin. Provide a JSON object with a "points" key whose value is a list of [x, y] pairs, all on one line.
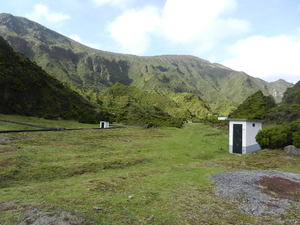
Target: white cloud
{"points": [[131, 30], [77, 38], [42, 13], [267, 57], [200, 23], [119, 3], [186, 20]]}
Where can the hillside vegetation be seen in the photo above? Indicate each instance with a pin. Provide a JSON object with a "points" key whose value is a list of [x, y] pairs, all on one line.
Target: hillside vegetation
{"points": [[254, 107], [289, 109], [87, 68], [26, 89], [129, 103], [292, 95]]}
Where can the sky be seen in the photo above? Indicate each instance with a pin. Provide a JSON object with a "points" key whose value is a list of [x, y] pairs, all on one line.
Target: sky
{"points": [[259, 37]]}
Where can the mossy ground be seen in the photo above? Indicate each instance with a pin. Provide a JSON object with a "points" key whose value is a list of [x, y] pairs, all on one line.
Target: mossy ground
{"points": [[166, 170]]}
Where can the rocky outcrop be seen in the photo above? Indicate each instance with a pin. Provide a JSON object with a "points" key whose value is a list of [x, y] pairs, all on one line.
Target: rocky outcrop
{"points": [[292, 150]]}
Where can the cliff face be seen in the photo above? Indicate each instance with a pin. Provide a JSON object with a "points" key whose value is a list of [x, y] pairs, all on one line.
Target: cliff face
{"points": [[26, 89]]}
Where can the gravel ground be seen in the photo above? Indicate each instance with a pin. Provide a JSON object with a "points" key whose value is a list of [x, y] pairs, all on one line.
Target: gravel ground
{"points": [[242, 186]]}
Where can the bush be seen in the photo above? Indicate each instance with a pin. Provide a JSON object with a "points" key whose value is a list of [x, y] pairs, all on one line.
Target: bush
{"points": [[296, 139], [280, 136], [273, 137]]}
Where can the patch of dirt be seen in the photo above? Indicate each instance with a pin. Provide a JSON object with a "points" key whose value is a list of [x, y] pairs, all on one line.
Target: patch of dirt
{"points": [[280, 187], [37, 217], [6, 150], [34, 215], [7, 162]]}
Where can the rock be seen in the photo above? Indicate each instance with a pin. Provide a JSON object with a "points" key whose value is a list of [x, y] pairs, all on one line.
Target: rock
{"points": [[150, 218], [97, 208], [292, 150]]}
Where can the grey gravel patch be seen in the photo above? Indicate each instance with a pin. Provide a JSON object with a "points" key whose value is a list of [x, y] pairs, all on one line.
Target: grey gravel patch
{"points": [[240, 186], [37, 217]]}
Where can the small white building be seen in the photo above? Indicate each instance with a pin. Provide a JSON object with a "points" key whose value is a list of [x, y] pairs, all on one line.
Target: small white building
{"points": [[242, 133], [104, 124]]}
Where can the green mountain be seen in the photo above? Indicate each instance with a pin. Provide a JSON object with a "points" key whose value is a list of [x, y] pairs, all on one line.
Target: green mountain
{"points": [[87, 68], [26, 89], [183, 105], [292, 95], [263, 107], [289, 110], [254, 107], [132, 105]]}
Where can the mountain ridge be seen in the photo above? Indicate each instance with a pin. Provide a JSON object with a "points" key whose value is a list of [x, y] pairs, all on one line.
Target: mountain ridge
{"points": [[88, 68], [26, 89]]}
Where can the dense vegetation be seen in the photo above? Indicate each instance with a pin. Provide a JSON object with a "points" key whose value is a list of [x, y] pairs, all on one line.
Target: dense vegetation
{"points": [[289, 109], [288, 116], [26, 89], [88, 68], [284, 113], [292, 95], [133, 106], [279, 136], [254, 107]]}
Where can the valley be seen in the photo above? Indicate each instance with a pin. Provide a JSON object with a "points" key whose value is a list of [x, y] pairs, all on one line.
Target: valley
{"points": [[166, 171], [168, 165], [87, 68]]}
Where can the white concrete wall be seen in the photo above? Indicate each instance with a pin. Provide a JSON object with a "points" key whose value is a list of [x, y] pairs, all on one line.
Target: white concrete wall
{"points": [[252, 132], [106, 124]]}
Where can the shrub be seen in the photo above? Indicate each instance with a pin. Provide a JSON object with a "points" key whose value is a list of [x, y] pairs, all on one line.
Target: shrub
{"points": [[280, 136], [296, 139], [274, 137]]}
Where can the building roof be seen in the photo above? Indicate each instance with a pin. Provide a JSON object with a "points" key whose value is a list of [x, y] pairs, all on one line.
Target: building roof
{"points": [[246, 120]]}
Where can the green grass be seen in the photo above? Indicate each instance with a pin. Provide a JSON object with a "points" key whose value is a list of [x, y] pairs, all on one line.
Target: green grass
{"points": [[166, 170], [70, 124]]}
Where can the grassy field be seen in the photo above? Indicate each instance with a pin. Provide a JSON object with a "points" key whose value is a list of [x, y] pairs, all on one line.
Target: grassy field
{"points": [[70, 124], [166, 170]]}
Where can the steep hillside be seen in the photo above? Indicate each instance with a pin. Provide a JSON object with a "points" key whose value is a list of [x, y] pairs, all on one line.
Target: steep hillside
{"points": [[292, 95], [254, 107], [263, 107], [131, 105], [289, 110], [26, 89], [88, 68], [182, 105]]}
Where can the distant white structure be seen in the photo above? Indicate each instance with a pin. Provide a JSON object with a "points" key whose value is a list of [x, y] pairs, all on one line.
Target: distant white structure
{"points": [[242, 133], [104, 124], [222, 118]]}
